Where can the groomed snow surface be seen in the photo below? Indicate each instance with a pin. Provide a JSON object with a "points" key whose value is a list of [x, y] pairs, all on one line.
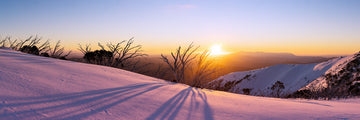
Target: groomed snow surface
{"points": [[34, 87]]}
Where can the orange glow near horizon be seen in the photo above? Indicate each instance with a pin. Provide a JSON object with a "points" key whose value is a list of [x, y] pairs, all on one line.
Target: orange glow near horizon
{"points": [[223, 48], [216, 50]]}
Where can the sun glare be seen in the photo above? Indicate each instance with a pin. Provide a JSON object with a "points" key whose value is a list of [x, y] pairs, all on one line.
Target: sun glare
{"points": [[217, 50]]}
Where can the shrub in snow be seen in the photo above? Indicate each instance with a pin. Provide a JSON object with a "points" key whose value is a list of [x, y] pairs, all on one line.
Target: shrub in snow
{"points": [[302, 94], [277, 88], [246, 91], [45, 54], [31, 50], [355, 88], [58, 52], [98, 57], [120, 55]]}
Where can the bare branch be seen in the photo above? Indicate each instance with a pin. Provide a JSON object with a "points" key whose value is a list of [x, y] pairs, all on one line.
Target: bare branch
{"points": [[101, 46], [34, 41], [203, 69], [180, 61], [57, 51], [12, 43], [21, 43], [84, 50], [123, 54], [45, 46], [3, 42]]}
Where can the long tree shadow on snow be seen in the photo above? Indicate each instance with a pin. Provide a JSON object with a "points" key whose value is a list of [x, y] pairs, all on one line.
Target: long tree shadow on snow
{"points": [[170, 109], [71, 105]]}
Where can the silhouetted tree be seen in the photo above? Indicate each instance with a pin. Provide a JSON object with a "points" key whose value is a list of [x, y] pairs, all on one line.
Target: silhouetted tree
{"points": [[31, 50], [85, 49], [22, 42], [203, 69], [98, 57], [90, 57], [30, 44], [113, 49], [246, 91], [179, 61], [45, 54], [58, 52], [129, 51], [277, 88], [119, 54], [3, 42], [12, 43]]}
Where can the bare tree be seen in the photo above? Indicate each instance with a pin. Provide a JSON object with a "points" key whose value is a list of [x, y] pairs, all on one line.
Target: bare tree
{"points": [[33, 42], [45, 47], [7, 40], [85, 49], [113, 49], [12, 43], [129, 51], [119, 54], [22, 42], [202, 69], [3, 42], [186, 57], [174, 64], [277, 88], [180, 60], [58, 51], [32, 45]]}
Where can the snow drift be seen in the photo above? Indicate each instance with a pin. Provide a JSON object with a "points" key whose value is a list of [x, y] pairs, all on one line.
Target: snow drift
{"points": [[34, 87]]}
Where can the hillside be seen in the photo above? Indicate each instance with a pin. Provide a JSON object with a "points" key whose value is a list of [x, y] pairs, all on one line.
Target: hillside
{"points": [[34, 87], [245, 61], [153, 66], [293, 77]]}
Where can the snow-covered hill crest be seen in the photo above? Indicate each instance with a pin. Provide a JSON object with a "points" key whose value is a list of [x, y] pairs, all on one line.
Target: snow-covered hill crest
{"points": [[34, 87], [292, 77]]}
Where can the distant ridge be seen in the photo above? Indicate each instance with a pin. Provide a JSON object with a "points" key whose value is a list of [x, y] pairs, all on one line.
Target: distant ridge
{"points": [[293, 76]]}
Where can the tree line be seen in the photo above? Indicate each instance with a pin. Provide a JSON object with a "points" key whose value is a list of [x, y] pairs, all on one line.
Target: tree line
{"points": [[34, 45], [184, 65]]}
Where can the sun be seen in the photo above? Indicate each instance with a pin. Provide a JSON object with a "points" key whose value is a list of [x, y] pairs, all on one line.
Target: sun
{"points": [[217, 50]]}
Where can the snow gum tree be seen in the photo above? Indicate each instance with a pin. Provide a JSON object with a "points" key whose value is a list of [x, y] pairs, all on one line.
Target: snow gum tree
{"points": [[114, 55], [189, 67], [179, 60], [277, 88]]}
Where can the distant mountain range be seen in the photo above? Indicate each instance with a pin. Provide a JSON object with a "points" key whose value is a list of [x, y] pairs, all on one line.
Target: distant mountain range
{"points": [[335, 75], [243, 61]]}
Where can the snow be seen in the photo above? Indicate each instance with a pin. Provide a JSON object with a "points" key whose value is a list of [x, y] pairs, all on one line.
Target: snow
{"points": [[34, 87], [340, 63], [294, 76]]}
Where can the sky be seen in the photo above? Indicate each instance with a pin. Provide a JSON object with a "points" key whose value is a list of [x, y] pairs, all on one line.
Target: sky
{"points": [[301, 27]]}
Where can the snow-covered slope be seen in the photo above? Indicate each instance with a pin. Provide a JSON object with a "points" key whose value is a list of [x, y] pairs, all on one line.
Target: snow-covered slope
{"points": [[293, 77], [33, 87]]}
